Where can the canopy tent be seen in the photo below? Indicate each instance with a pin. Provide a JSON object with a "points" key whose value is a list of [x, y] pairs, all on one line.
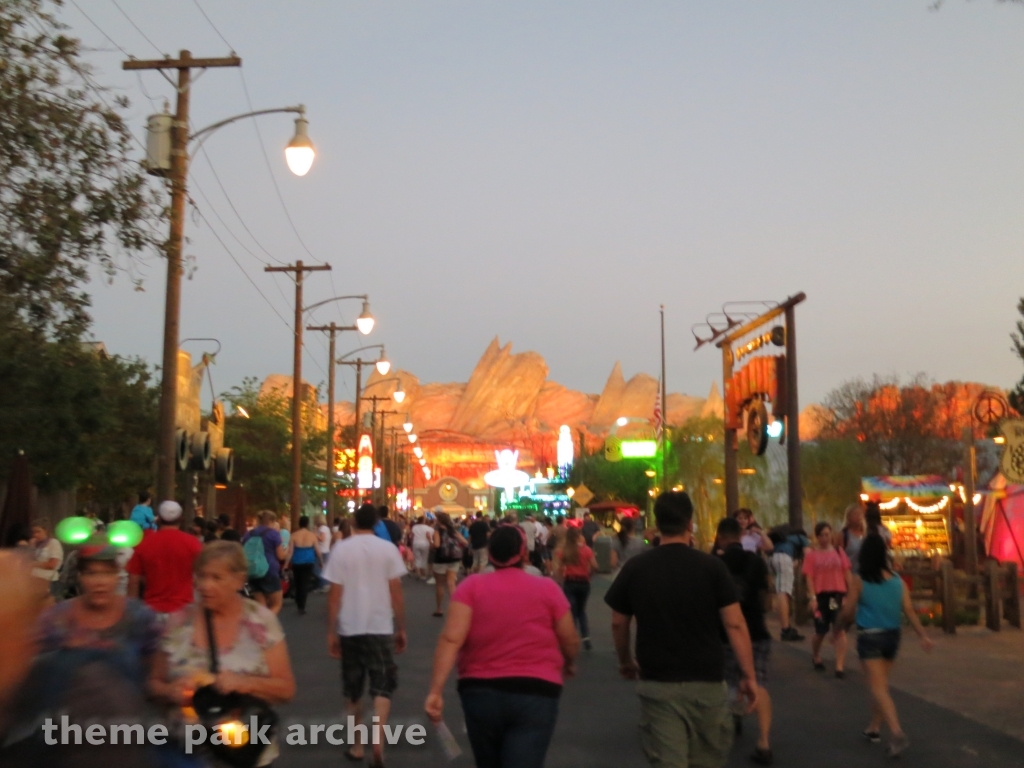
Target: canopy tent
{"points": [[1002, 522], [888, 487]]}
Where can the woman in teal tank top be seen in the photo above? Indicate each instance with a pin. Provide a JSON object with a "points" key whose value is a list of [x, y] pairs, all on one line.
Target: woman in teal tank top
{"points": [[877, 602]]}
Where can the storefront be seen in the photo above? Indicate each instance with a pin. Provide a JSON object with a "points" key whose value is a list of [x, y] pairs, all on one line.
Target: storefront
{"points": [[916, 509]]}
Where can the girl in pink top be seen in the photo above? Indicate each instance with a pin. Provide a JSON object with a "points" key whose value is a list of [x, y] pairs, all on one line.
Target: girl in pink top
{"points": [[514, 639], [828, 577]]}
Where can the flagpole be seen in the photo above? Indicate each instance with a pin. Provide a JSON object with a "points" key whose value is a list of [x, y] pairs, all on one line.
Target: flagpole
{"points": [[664, 407]]}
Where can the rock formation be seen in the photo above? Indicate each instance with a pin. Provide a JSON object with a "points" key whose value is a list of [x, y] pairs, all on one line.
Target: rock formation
{"points": [[502, 392]]}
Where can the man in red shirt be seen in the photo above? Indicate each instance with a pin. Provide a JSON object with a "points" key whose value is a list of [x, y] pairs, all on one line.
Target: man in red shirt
{"points": [[161, 566]]}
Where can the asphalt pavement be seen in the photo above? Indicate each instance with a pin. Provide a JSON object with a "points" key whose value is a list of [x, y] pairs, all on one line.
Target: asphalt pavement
{"points": [[818, 719]]}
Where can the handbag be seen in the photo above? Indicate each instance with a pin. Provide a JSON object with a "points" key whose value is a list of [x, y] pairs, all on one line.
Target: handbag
{"points": [[228, 712]]}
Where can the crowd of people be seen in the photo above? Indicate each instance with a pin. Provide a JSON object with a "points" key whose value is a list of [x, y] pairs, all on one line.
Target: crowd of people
{"points": [[190, 614]]}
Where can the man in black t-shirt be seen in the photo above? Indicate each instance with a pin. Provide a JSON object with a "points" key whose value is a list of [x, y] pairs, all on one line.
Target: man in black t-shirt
{"points": [[479, 530], [681, 599], [750, 575]]}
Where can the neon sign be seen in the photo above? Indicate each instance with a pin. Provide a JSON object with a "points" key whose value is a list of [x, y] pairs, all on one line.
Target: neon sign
{"points": [[364, 467]]}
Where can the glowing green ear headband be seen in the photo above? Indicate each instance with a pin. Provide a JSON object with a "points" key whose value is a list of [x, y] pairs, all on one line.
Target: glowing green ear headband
{"points": [[78, 530]]}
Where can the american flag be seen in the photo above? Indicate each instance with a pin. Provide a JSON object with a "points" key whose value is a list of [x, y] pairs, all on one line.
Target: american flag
{"points": [[657, 413]]}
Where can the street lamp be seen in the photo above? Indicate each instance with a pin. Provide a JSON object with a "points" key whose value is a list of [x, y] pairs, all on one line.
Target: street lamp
{"points": [[365, 321], [407, 427], [299, 153], [383, 365], [399, 394], [168, 156], [412, 437]]}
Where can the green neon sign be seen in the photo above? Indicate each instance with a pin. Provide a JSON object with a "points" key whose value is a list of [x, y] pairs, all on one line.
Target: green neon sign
{"points": [[639, 449]]}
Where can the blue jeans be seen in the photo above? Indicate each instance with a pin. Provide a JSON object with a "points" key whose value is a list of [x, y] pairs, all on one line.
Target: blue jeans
{"points": [[508, 730], [577, 592]]}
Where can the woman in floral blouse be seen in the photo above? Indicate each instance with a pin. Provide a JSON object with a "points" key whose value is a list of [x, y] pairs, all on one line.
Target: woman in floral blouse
{"points": [[251, 647]]}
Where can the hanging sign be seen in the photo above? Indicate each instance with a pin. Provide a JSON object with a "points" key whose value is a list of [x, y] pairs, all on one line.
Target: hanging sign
{"points": [[1012, 463]]}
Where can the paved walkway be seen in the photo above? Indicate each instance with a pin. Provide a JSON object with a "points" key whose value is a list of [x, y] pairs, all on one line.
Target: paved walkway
{"points": [[818, 718]]}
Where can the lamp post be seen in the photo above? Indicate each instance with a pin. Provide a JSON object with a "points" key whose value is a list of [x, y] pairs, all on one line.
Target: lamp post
{"points": [[333, 330], [168, 156], [382, 364]]}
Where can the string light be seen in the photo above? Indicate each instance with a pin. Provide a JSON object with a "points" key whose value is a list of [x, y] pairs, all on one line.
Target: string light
{"points": [[891, 504], [927, 508]]}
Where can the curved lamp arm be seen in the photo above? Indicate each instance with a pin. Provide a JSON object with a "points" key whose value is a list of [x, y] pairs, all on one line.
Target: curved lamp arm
{"points": [[363, 296], [360, 349], [205, 132]]}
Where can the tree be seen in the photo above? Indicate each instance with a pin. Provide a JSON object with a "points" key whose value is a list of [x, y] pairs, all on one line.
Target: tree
{"points": [[1017, 394], [70, 196], [831, 472], [262, 444], [82, 417], [612, 480], [699, 448], [906, 429]]}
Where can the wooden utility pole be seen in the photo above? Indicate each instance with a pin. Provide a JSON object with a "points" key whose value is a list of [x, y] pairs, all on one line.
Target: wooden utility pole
{"points": [[970, 529], [298, 269], [664, 410], [358, 365], [796, 495], [332, 329], [166, 453]]}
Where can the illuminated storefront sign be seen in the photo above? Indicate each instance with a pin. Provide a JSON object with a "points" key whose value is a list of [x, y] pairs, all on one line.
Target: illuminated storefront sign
{"points": [[639, 449]]}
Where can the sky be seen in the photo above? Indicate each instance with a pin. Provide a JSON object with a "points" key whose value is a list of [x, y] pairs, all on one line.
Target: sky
{"points": [[551, 172]]}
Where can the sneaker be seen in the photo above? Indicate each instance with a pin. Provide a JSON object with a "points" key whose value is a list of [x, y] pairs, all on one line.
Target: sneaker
{"points": [[840, 674], [431, 580], [790, 634], [898, 745], [819, 666], [762, 756], [873, 737]]}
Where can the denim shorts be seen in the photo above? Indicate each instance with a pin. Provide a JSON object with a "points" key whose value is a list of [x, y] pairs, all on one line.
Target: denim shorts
{"points": [[267, 584], [878, 644]]}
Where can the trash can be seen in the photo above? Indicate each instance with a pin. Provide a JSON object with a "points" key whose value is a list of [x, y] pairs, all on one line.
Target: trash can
{"points": [[603, 554]]}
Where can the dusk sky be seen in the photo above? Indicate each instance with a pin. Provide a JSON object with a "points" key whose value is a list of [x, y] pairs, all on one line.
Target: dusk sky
{"points": [[550, 172]]}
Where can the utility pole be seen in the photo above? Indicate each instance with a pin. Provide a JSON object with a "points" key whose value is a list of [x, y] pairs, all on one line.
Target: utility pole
{"points": [[166, 453], [664, 410], [378, 445], [332, 329], [358, 364], [298, 269]]}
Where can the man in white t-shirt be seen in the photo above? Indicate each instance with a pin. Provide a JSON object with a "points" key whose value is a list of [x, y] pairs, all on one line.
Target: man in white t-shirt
{"points": [[366, 622]]}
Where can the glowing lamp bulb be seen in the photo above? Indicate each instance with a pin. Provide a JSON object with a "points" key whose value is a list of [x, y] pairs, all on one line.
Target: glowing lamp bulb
{"points": [[383, 365], [407, 427], [299, 153], [622, 421], [399, 394], [365, 320]]}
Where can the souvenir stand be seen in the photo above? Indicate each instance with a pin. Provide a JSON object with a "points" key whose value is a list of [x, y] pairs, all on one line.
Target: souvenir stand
{"points": [[917, 511]]}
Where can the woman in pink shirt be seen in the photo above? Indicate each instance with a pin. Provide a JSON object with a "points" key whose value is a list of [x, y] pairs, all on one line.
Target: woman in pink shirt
{"points": [[828, 578], [515, 641]]}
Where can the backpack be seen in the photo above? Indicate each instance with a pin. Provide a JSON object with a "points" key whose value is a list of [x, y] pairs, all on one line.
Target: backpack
{"points": [[450, 550], [256, 556]]}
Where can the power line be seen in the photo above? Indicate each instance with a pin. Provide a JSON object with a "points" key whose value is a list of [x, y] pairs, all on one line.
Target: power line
{"points": [[270, 170], [241, 221], [137, 29], [214, 26], [254, 285], [100, 30]]}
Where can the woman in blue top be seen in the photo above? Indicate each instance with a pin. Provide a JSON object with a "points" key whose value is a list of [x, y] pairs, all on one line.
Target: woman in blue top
{"points": [[877, 601], [305, 556]]}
